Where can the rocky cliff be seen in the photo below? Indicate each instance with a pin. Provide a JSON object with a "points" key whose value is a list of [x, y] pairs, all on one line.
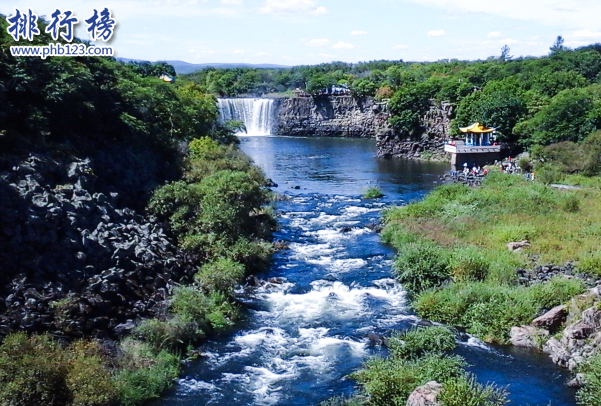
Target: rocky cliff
{"points": [[433, 132], [331, 116], [346, 116]]}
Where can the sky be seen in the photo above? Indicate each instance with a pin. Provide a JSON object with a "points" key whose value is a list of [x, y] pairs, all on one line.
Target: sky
{"points": [[300, 32]]}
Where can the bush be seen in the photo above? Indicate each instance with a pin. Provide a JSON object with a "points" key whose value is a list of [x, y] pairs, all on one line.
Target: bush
{"points": [[468, 264], [213, 310], [221, 275], [90, 381], [34, 371], [465, 391], [590, 393], [421, 266], [489, 311], [590, 263], [144, 374], [373, 192], [571, 203], [173, 334], [389, 382], [417, 342]]}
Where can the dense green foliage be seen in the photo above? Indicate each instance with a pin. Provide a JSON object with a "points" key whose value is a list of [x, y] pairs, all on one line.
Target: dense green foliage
{"points": [[373, 192], [530, 100], [456, 237], [57, 98], [590, 394], [417, 357], [134, 127]]}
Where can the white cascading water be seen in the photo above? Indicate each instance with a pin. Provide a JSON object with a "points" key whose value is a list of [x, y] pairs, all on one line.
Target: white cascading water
{"points": [[257, 114]]}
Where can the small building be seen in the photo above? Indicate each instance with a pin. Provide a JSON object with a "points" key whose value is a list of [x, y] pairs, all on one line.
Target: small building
{"points": [[478, 147]]}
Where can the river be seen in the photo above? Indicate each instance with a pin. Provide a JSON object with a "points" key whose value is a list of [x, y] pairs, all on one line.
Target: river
{"points": [[300, 336]]}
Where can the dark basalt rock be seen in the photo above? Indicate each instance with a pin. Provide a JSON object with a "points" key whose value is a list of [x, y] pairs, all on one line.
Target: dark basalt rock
{"points": [[71, 260]]}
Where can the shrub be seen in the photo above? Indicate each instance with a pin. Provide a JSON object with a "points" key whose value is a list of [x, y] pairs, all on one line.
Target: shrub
{"points": [[548, 174], [489, 311], [590, 263], [373, 192], [389, 382], [33, 370], [221, 275], [421, 266], [145, 374], [590, 393], [213, 310], [526, 164], [571, 203], [175, 333], [90, 381], [466, 391], [468, 264], [415, 343], [36, 370]]}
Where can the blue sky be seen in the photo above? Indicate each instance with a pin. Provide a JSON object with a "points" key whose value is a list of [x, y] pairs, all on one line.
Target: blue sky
{"points": [[293, 32]]}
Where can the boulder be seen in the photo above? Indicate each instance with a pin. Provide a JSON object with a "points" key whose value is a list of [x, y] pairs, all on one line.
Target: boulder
{"points": [[579, 331], [558, 353], [551, 320], [518, 245], [592, 317], [527, 336], [426, 395]]}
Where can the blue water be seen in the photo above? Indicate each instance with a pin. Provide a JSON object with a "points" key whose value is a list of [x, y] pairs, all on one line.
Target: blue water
{"points": [[300, 337]]}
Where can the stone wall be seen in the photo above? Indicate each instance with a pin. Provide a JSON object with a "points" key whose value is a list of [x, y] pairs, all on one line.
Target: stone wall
{"points": [[331, 116]]}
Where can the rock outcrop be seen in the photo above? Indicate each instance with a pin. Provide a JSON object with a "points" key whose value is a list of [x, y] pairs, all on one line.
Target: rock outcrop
{"points": [[331, 116], [72, 261], [431, 136], [425, 395], [580, 339]]}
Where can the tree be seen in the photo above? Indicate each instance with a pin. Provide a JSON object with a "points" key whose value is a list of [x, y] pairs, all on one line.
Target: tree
{"points": [[505, 53], [558, 45]]}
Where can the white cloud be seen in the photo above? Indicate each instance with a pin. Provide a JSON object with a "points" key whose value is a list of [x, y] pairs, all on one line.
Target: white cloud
{"points": [[494, 34], [585, 34], [288, 7], [342, 45], [238, 51], [263, 54], [574, 14], [400, 47], [508, 41], [326, 55], [357, 32], [232, 2], [436, 33], [319, 42]]}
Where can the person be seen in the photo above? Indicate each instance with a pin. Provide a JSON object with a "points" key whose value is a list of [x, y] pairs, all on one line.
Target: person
{"points": [[474, 170], [484, 171], [465, 169]]}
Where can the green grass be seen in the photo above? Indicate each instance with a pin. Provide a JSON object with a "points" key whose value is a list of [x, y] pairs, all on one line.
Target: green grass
{"points": [[419, 356], [506, 208], [373, 192]]}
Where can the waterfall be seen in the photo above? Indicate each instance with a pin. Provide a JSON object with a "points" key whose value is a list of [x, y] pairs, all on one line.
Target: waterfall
{"points": [[257, 114]]}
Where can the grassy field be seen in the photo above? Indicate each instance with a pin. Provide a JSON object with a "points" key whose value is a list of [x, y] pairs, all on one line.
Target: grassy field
{"points": [[561, 225], [453, 256]]}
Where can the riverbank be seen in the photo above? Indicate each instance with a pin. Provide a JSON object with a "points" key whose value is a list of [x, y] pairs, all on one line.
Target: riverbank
{"points": [[458, 256]]}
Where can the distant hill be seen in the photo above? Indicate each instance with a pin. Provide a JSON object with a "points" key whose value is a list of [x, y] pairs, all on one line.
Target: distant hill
{"points": [[181, 67]]}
